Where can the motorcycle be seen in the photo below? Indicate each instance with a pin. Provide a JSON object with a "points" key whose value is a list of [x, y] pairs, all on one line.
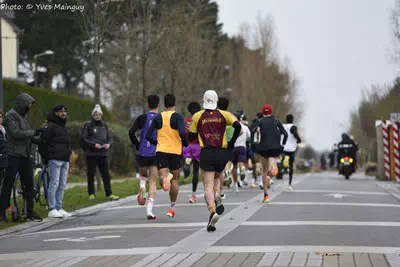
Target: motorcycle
{"points": [[346, 167]]}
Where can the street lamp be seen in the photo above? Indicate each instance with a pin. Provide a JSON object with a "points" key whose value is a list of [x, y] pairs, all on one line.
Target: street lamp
{"points": [[45, 53]]}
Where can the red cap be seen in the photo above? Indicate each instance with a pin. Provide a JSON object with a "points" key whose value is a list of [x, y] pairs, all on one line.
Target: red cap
{"points": [[267, 109]]}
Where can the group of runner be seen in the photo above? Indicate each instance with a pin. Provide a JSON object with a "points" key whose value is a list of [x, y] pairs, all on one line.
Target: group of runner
{"points": [[213, 140]]}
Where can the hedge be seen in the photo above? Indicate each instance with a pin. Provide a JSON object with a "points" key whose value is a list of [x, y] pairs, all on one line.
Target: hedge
{"points": [[121, 155], [78, 109]]}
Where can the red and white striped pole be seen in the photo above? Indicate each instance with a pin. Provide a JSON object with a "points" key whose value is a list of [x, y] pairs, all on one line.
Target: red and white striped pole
{"points": [[396, 150], [386, 145]]}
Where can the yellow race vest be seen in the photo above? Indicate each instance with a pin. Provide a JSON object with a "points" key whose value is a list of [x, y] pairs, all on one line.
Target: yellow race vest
{"points": [[168, 139]]}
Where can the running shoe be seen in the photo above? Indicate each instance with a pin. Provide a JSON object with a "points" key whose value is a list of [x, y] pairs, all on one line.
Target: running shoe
{"points": [[219, 207], [271, 181], [113, 197], [167, 182], [141, 197], [151, 216], [223, 196], [64, 213], [266, 199], [92, 197], [212, 221], [192, 199], [290, 188], [253, 185], [171, 213]]}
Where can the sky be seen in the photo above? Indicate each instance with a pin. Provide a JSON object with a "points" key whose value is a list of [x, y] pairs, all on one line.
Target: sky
{"points": [[337, 48]]}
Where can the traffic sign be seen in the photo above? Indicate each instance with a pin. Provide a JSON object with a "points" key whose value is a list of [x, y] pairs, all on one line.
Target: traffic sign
{"points": [[395, 116]]}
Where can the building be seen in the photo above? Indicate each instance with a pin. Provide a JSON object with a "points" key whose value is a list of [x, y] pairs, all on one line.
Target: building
{"points": [[9, 37]]}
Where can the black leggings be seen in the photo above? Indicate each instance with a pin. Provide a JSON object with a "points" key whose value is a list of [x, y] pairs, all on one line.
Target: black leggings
{"points": [[23, 166], [195, 180], [92, 163], [291, 163]]}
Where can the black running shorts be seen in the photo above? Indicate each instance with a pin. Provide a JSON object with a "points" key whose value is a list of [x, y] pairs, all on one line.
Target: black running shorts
{"points": [[147, 162], [214, 159], [172, 162]]}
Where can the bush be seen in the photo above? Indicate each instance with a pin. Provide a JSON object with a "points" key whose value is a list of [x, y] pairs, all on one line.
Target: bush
{"points": [[46, 100], [121, 155]]}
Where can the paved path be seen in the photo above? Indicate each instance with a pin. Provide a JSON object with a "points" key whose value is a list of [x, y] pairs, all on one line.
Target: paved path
{"points": [[326, 221]]}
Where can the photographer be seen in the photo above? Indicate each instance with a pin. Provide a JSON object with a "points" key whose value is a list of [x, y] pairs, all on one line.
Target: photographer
{"points": [[19, 134]]}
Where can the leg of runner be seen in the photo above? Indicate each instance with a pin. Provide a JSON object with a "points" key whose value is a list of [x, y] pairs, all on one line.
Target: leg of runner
{"points": [[144, 176], [221, 178], [152, 192], [173, 192], [265, 178], [208, 181], [235, 179], [259, 173], [195, 181], [291, 163], [219, 208], [242, 170]]}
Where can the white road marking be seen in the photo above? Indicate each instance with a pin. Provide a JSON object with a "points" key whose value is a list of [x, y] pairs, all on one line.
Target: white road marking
{"points": [[324, 223], [336, 204], [56, 239], [340, 192], [82, 239], [177, 205], [337, 195], [182, 230], [122, 226], [310, 249], [82, 253], [103, 232]]}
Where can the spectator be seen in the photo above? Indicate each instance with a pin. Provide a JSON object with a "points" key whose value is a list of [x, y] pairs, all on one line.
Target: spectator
{"points": [[3, 149], [19, 134], [97, 141], [58, 143]]}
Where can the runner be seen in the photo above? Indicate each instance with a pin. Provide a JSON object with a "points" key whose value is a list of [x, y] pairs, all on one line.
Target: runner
{"points": [[291, 145], [171, 136], [269, 146], [146, 155], [257, 170], [209, 125], [192, 153], [226, 176], [240, 152]]}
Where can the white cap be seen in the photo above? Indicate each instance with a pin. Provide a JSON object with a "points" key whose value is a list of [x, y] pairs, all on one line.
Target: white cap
{"points": [[210, 100], [97, 109]]}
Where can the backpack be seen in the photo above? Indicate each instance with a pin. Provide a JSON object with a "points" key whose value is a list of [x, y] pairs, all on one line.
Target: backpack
{"points": [[43, 147]]}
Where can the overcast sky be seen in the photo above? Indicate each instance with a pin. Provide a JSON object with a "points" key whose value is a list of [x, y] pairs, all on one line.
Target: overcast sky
{"points": [[336, 48]]}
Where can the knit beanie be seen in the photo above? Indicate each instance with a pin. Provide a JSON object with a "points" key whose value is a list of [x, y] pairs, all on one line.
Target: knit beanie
{"points": [[97, 109]]}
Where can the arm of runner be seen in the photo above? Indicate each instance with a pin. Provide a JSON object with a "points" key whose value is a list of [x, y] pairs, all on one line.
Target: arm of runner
{"points": [[193, 134], [283, 131], [238, 128], [293, 130], [181, 129], [155, 125], [132, 131]]}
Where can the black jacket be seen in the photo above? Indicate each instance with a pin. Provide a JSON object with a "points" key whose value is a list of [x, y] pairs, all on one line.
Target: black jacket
{"points": [[57, 138], [95, 132], [3, 151], [19, 132], [271, 130], [347, 147]]}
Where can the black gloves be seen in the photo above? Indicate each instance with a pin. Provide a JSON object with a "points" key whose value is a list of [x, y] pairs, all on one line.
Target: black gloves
{"points": [[231, 144], [39, 131]]}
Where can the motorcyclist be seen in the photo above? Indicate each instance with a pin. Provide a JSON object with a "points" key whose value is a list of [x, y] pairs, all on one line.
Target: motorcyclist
{"points": [[347, 148]]}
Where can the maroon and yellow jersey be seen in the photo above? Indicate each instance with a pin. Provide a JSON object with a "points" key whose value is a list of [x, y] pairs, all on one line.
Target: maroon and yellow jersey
{"points": [[211, 125]]}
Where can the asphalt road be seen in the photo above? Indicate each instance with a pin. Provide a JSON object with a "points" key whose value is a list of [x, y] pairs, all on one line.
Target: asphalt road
{"points": [[355, 222]]}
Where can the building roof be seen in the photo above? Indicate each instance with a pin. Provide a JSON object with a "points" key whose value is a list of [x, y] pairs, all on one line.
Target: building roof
{"points": [[7, 18]]}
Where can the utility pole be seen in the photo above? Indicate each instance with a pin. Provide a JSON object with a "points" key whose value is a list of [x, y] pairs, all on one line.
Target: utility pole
{"points": [[1, 63]]}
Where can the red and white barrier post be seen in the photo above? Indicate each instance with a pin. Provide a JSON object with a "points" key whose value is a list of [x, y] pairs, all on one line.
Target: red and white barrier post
{"points": [[386, 148], [396, 150]]}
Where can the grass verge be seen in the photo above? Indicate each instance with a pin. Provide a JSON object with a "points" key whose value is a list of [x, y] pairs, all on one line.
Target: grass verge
{"points": [[77, 197]]}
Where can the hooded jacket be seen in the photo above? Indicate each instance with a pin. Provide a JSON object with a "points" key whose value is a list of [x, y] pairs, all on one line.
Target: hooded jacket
{"points": [[57, 138], [18, 130]]}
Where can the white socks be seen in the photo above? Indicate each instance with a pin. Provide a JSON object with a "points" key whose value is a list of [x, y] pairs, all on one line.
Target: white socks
{"points": [[150, 203], [142, 184]]}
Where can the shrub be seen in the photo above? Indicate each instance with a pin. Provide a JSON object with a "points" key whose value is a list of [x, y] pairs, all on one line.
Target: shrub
{"points": [[121, 155], [46, 100]]}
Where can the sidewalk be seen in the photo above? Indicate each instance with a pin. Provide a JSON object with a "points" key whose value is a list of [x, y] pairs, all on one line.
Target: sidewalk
{"points": [[271, 259], [390, 187]]}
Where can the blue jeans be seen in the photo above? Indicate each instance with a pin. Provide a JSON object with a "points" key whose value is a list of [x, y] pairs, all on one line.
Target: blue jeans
{"points": [[58, 171]]}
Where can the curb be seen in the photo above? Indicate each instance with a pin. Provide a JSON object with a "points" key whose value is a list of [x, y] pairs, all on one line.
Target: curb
{"points": [[30, 227]]}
